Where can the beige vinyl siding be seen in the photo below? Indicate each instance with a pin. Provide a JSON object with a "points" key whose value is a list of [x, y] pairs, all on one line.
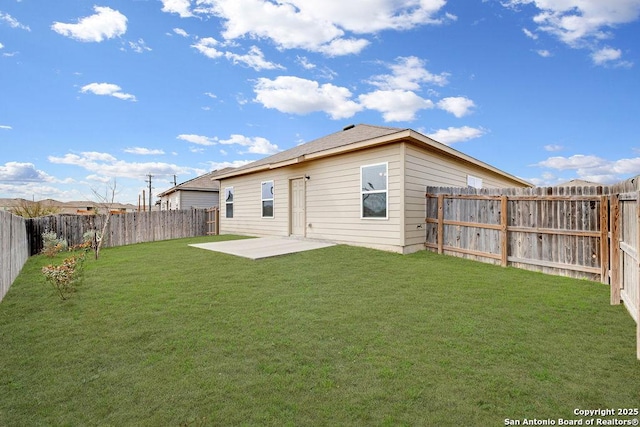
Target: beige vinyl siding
{"points": [[247, 205], [332, 200], [423, 168]]}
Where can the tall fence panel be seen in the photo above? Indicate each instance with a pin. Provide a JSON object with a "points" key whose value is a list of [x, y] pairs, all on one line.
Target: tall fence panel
{"points": [[553, 230], [14, 250], [625, 255], [123, 229]]}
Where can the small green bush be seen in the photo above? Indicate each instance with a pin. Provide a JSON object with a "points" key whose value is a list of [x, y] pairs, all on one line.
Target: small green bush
{"points": [[63, 276], [51, 244]]}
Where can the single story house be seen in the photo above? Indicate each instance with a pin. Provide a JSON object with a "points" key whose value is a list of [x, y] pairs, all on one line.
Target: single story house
{"points": [[364, 185], [199, 192]]}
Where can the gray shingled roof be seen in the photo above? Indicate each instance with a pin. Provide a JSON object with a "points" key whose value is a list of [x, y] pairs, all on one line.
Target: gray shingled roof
{"points": [[200, 183], [350, 135]]}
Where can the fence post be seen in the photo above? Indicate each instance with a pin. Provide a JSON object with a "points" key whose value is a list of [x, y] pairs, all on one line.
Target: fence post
{"points": [[440, 223], [604, 239], [614, 247], [217, 219], [637, 248], [504, 219]]}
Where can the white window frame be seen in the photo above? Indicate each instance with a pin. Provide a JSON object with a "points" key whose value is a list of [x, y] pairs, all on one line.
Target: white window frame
{"points": [[385, 191], [272, 199], [226, 203], [474, 181]]}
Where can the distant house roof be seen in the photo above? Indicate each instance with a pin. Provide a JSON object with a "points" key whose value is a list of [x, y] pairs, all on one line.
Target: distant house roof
{"points": [[351, 138], [578, 183], [71, 207], [200, 183]]}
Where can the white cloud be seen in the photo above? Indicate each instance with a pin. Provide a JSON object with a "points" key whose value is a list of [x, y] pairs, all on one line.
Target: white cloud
{"points": [[207, 47], [6, 127], [256, 145], [254, 59], [221, 165], [451, 135], [304, 62], [544, 53], [395, 105], [407, 74], [197, 139], [139, 46], [553, 147], [181, 32], [17, 172], [106, 165], [320, 26], [106, 23], [459, 106], [581, 23], [594, 168], [530, 34], [13, 22], [295, 95], [143, 151], [181, 7], [1, 46], [341, 47], [605, 55], [107, 89], [211, 95]]}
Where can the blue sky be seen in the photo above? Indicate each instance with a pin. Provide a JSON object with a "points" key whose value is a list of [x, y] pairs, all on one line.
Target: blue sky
{"points": [[92, 92]]}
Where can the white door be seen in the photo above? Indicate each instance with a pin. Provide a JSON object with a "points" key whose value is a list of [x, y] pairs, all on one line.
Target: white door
{"points": [[297, 217]]}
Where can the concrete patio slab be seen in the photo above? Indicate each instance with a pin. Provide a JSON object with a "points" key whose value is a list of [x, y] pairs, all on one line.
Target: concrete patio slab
{"points": [[263, 247]]}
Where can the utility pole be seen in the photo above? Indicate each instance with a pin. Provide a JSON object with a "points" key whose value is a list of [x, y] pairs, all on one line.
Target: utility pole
{"points": [[175, 182], [148, 181]]}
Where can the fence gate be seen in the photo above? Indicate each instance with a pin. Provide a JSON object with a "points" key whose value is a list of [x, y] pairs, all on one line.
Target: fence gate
{"points": [[213, 221], [625, 255]]}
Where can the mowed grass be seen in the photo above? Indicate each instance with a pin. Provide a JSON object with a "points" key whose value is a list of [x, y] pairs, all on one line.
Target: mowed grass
{"points": [[164, 334]]}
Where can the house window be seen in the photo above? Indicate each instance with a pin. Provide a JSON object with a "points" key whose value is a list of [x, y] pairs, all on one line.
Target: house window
{"points": [[267, 199], [474, 182], [373, 190], [228, 202]]}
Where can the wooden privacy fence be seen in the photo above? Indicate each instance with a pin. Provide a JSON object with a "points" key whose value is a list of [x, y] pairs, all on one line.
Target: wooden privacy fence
{"points": [[213, 221], [583, 232], [123, 229], [14, 250], [554, 233], [625, 254]]}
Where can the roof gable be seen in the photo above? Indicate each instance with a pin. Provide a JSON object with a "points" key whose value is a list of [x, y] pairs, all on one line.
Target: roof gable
{"points": [[356, 138], [349, 135]]}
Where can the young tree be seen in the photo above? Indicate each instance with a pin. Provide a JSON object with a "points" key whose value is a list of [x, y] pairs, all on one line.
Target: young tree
{"points": [[105, 202]]}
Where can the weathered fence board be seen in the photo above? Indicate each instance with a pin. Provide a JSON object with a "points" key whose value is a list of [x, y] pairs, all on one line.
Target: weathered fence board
{"points": [[551, 230], [123, 229], [14, 250]]}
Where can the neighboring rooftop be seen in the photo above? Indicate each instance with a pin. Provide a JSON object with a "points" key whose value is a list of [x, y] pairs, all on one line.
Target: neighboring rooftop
{"points": [[73, 207], [200, 183]]}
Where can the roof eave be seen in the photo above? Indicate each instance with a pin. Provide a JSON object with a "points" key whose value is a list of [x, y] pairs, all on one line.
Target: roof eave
{"points": [[445, 149], [386, 139]]}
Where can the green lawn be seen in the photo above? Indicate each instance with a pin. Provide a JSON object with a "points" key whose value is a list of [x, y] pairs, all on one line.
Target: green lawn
{"points": [[164, 334]]}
